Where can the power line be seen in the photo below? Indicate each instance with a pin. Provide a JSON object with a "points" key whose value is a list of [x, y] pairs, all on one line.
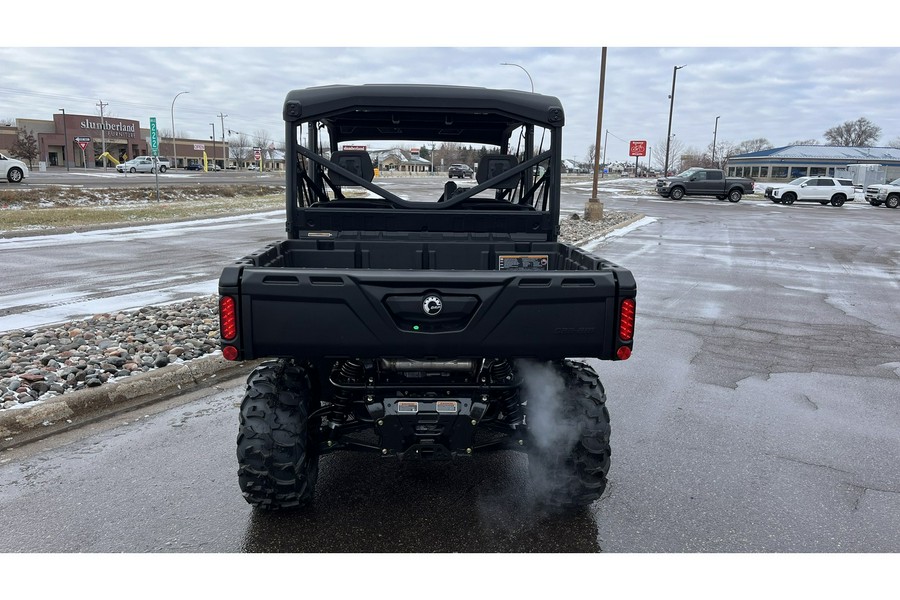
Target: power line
{"points": [[16, 92]]}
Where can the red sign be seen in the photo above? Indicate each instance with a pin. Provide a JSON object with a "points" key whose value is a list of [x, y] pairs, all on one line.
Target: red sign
{"points": [[638, 148], [256, 154], [83, 145]]}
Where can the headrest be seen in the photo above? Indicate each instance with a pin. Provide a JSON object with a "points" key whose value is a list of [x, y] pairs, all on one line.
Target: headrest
{"points": [[492, 165], [357, 162]]}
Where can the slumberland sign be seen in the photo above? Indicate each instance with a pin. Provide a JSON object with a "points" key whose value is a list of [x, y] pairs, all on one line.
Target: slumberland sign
{"points": [[120, 129]]}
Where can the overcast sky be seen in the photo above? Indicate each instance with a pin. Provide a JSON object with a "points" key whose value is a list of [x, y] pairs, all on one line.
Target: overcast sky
{"points": [[782, 94]]}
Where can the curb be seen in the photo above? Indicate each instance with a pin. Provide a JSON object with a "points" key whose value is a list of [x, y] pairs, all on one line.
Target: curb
{"points": [[82, 406], [600, 234]]}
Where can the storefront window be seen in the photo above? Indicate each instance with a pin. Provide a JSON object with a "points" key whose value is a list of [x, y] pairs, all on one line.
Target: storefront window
{"points": [[798, 172], [764, 171], [817, 171], [779, 172]]}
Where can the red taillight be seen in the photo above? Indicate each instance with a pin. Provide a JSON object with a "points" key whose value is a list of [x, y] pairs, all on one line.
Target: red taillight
{"points": [[227, 318], [626, 320], [622, 353], [230, 352]]}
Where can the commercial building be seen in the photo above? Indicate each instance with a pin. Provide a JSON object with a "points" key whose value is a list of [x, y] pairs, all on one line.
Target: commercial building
{"points": [[79, 141], [790, 162]]}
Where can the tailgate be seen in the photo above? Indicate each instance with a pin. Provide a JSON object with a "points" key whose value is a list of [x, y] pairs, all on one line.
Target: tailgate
{"points": [[333, 313]]}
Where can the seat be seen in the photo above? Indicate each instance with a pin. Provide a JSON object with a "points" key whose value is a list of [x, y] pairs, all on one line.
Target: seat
{"points": [[357, 162], [492, 165]]}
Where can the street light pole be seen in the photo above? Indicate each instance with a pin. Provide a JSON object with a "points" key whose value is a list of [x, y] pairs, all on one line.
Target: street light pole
{"points": [[669, 131], [715, 132], [224, 159], [65, 143], [174, 149], [524, 69], [605, 143], [213, 138]]}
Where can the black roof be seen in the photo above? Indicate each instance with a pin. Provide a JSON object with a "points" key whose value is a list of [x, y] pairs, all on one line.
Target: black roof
{"points": [[416, 111]]}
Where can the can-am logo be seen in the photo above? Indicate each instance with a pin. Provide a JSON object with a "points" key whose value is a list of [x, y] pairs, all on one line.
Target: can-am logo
{"points": [[432, 305]]}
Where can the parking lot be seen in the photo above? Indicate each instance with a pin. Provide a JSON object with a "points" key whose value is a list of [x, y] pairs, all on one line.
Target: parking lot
{"points": [[757, 414]]}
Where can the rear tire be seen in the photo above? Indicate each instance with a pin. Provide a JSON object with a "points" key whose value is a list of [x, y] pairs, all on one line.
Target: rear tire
{"points": [[838, 200], [278, 459], [735, 196], [569, 471]]}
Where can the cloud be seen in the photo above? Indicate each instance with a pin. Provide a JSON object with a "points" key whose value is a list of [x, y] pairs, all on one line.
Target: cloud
{"points": [[781, 94]]}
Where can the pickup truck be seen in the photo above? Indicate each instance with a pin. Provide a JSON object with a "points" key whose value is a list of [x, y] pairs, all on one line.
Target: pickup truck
{"points": [[437, 326], [704, 182], [884, 193]]}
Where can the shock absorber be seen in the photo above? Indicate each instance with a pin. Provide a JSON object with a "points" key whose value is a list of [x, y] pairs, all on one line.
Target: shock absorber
{"points": [[345, 373], [502, 374]]}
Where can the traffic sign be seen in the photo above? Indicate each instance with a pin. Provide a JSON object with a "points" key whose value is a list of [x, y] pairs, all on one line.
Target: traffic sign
{"points": [[154, 137], [82, 144], [638, 148], [82, 139], [257, 153]]}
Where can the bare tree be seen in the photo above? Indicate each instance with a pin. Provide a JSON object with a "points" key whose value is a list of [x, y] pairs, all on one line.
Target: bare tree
{"points": [[6, 122], [261, 139], [676, 149], [754, 145], [894, 143], [811, 142], [25, 146], [238, 147], [861, 132]]}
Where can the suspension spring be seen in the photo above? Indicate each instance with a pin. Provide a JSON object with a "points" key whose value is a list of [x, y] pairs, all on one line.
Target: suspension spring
{"points": [[347, 372], [502, 373]]}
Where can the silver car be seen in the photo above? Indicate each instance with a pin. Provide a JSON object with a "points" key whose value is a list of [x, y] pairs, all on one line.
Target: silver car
{"points": [[143, 164]]}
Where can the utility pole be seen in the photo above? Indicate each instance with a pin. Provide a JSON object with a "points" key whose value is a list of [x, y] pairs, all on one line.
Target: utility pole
{"points": [[102, 104], [669, 132], [593, 210], [213, 138], [222, 117]]}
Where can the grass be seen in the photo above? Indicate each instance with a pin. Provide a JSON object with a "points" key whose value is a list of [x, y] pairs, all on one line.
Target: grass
{"points": [[63, 208]]}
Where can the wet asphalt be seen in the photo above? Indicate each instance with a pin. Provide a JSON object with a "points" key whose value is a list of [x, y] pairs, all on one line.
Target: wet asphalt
{"points": [[759, 413]]}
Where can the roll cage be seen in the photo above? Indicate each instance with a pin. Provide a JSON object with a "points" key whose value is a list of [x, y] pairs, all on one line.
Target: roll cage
{"points": [[524, 180]]}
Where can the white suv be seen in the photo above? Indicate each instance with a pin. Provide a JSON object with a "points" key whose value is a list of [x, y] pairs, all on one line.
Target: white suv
{"points": [[813, 189], [12, 170]]}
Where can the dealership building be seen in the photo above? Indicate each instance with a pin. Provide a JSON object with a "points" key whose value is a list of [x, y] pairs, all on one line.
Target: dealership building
{"points": [[790, 162], [79, 140]]}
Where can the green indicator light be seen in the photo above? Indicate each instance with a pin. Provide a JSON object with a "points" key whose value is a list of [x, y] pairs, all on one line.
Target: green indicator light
{"points": [[415, 327]]}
